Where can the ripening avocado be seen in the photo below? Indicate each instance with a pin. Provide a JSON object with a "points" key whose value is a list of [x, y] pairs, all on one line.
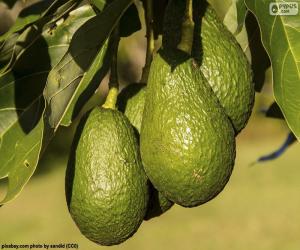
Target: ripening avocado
{"points": [[221, 59], [187, 141], [131, 102], [158, 204], [107, 190]]}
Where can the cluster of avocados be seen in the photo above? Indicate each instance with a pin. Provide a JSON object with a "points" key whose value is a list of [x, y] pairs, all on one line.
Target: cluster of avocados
{"points": [[170, 141]]}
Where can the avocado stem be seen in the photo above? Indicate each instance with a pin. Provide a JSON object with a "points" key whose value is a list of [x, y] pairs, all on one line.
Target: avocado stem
{"points": [[187, 29], [148, 9], [111, 99]]}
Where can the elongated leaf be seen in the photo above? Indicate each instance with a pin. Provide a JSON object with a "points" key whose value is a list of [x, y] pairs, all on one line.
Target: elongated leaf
{"points": [[99, 4], [260, 60], [159, 9], [290, 140], [281, 36], [130, 21], [10, 3], [22, 127], [21, 166], [26, 17], [241, 11], [65, 78], [88, 84], [27, 36], [235, 16], [220, 6], [274, 111], [6, 50]]}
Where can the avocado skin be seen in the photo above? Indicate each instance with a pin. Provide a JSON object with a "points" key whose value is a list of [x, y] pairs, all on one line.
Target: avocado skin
{"points": [[158, 204], [131, 102], [227, 70], [187, 141], [107, 190], [221, 59]]}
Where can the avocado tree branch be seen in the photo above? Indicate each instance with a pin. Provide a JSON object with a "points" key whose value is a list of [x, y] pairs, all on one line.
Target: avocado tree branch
{"points": [[187, 29], [148, 7], [112, 96]]}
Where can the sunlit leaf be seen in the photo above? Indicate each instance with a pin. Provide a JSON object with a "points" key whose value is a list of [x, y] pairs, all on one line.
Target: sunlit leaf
{"points": [[281, 36], [22, 127]]}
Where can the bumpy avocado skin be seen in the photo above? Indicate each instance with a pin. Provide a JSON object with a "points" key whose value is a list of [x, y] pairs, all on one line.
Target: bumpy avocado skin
{"points": [[131, 102], [222, 60], [158, 204], [107, 190], [227, 70], [187, 141]]}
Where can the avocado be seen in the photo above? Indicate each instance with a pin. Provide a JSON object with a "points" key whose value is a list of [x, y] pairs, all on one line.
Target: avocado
{"points": [[221, 59], [131, 101], [107, 190], [158, 204], [187, 141]]}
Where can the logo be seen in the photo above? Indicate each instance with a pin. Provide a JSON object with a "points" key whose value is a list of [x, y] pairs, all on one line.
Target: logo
{"points": [[284, 8]]}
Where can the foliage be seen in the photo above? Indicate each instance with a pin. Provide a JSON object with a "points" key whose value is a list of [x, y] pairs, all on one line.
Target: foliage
{"points": [[54, 56]]}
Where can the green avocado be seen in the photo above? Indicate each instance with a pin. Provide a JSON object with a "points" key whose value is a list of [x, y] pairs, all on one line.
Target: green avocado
{"points": [[131, 102], [187, 141], [222, 61], [107, 190], [158, 204]]}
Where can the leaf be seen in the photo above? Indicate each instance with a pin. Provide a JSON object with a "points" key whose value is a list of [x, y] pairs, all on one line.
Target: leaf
{"points": [[22, 127], [21, 166], [290, 140], [260, 61], [281, 36], [274, 111], [26, 17], [241, 10], [235, 16], [64, 78], [130, 21], [10, 3], [88, 84], [158, 16], [6, 50], [221, 7], [29, 35], [99, 4]]}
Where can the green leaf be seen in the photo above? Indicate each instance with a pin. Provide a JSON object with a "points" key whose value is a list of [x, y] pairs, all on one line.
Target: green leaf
{"points": [[21, 166], [281, 36], [88, 84], [27, 36], [26, 17], [260, 61], [241, 10], [235, 16], [221, 7], [159, 8], [6, 50], [65, 77], [99, 4], [10, 3], [130, 21], [274, 111], [22, 127]]}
